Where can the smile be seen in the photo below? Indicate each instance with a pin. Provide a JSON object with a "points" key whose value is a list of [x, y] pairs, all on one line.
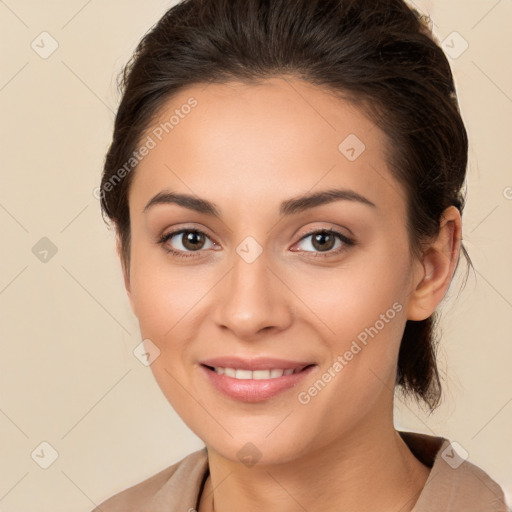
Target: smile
{"points": [[256, 384]]}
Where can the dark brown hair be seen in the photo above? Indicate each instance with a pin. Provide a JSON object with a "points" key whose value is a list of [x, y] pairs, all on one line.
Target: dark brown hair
{"points": [[377, 53]]}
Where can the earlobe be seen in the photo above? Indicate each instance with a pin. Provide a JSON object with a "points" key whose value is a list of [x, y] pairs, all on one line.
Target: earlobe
{"points": [[438, 264]]}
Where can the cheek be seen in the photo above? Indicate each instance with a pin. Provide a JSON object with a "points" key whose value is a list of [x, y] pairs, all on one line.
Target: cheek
{"points": [[359, 314], [164, 296], [346, 302]]}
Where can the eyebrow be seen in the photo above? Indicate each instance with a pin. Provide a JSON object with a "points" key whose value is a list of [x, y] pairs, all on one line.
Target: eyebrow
{"points": [[288, 207]]}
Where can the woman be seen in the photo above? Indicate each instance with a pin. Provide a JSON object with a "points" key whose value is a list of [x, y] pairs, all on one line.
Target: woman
{"points": [[285, 180]]}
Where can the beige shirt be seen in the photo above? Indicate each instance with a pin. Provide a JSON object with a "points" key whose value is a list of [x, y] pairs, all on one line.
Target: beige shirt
{"points": [[453, 485]]}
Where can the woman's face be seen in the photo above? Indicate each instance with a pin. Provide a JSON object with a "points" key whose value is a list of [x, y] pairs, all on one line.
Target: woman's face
{"points": [[261, 280]]}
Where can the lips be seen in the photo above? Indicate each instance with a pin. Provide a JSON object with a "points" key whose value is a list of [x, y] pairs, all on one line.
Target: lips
{"points": [[254, 380]]}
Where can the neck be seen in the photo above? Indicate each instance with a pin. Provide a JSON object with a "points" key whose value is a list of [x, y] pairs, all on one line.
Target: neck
{"points": [[366, 469]]}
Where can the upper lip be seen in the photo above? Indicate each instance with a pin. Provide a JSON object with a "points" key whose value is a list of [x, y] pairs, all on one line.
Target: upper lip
{"points": [[259, 363]]}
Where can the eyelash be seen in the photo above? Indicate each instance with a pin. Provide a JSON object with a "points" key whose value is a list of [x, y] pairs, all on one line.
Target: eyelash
{"points": [[347, 243]]}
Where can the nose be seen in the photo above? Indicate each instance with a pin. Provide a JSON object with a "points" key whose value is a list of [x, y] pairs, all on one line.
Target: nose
{"points": [[252, 298]]}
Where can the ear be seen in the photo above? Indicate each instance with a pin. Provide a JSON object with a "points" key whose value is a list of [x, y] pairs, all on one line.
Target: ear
{"points": [[436, 269], [126, 272]]}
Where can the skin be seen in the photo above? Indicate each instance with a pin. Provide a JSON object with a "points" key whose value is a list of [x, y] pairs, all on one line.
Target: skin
{"points": [[247, 148]]}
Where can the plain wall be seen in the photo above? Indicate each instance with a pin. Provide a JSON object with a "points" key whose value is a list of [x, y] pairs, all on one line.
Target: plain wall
{"points": [[68, 375]]}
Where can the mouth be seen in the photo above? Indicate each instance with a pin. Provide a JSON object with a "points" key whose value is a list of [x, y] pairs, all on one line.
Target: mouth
{"points": [[254, 380], [243, 374]]}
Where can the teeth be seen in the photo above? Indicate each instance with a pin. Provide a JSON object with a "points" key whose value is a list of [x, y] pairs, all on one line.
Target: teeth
{"points": [[243, 374], [256, 374]]}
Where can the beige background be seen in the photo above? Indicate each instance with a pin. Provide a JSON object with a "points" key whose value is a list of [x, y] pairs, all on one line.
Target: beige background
{"points": [[68, 375]]}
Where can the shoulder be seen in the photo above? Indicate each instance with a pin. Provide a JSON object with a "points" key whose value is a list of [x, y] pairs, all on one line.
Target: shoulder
{"points": [[467, 486], [454, 483], [179, 482]]}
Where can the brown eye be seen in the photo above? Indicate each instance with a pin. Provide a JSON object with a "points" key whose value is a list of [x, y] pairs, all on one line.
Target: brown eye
{"points": [[185, 241], [192, 240], [323, 243]]}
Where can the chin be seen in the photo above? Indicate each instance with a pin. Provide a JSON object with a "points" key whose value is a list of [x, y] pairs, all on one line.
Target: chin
{"points": [[257, 450]]}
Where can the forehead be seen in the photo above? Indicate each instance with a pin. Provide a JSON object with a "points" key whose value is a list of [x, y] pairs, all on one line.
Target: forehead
{"points": [[280, 137], [280, 112]]}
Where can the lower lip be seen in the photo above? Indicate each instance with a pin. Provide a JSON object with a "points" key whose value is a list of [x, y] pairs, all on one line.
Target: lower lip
{"points": [[254, 390]]}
